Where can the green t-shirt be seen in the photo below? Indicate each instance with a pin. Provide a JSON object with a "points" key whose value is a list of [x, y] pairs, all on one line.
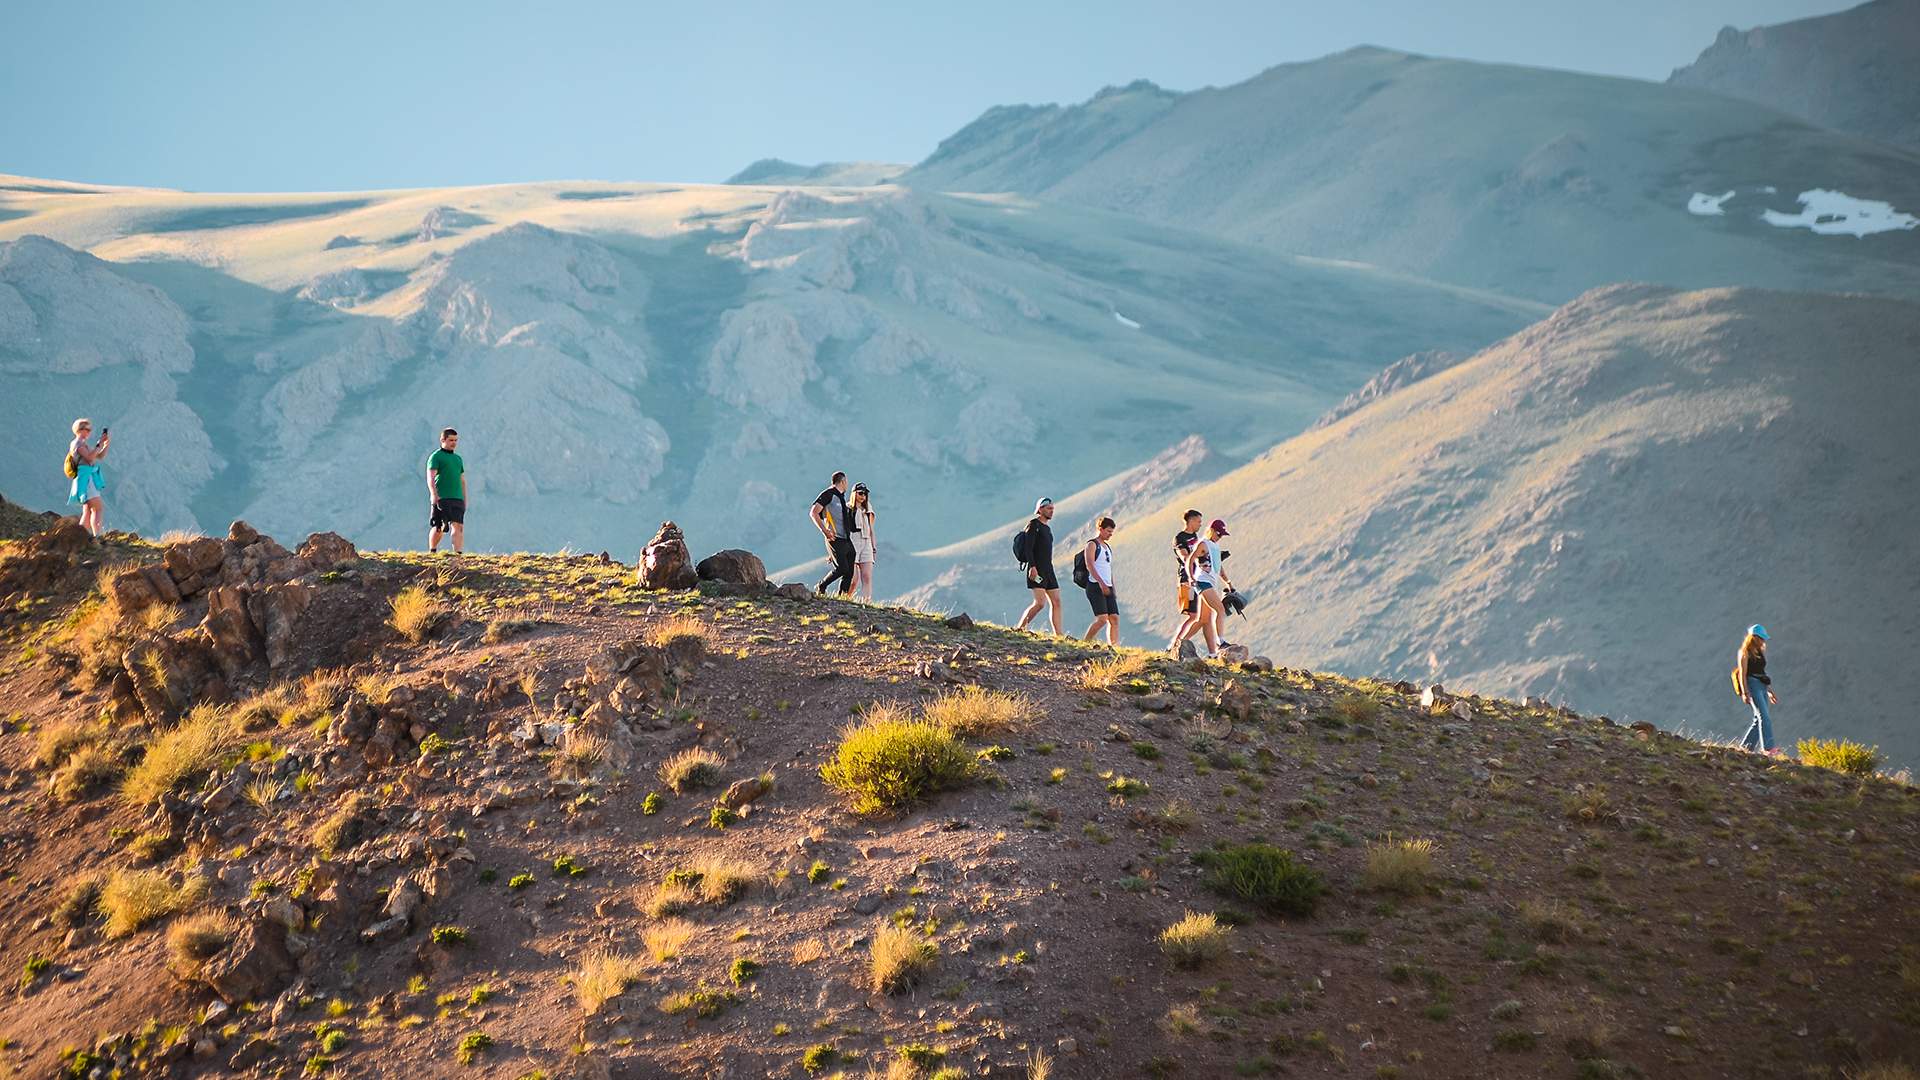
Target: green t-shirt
{"points": [[447, 468]]}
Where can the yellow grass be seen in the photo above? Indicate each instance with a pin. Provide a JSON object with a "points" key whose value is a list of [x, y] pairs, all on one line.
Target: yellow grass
{"points": [[672, 898], [1399, 866], [666, 938], [54, 744], [1112, 673], [415, 612], [181, 754], [603, 976], [809, 950], [972, 710], [692, 769], [898, 957], [86, 768], [194, 939], [680, 630], [131, 899], [1195, 940], [888, 761], [1039, 1066]]}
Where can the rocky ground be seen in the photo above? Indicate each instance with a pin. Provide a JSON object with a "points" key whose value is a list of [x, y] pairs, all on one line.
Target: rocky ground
{"points": [[276, 812]]}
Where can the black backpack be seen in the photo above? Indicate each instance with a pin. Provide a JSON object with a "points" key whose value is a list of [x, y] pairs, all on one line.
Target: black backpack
{"points": [[1080, 575], [1023, 545]]}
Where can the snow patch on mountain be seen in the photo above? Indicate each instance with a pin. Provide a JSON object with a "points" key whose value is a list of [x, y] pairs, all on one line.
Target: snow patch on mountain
{"points": [[1835, 213]]}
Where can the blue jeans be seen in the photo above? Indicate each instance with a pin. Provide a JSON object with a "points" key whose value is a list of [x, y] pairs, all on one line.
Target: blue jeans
{"points": [[1762, 727]]}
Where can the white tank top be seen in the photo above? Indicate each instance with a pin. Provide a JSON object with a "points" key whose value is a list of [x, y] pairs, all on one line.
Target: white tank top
{"points": [[1208, 565], [1102, 562]]}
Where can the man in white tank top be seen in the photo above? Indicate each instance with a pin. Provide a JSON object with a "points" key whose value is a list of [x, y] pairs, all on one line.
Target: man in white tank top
{"points": [[1100, 595]]}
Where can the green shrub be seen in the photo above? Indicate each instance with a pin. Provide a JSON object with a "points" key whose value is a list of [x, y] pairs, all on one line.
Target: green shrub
{"points": [[889, 761], [818, 1058], [1265, 877], [1840, 755], [1194, 940]]}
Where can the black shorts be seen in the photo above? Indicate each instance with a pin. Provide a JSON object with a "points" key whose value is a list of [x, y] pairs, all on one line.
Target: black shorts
{"points": [[1104, 603], [448, 512], [1041, 578]]}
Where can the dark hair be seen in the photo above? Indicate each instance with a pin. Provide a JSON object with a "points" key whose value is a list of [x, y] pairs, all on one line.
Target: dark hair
{"points": [[837, 477], [444, 432], [1106, 523], [1191, 514]]}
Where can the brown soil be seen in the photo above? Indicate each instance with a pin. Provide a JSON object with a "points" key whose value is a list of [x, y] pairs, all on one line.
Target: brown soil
{"points": [[1725, 915]]}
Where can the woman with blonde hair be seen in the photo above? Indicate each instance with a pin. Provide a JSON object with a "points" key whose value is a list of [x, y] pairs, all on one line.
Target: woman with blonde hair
{"points": [[865, 547], [1750, 681], [83, 468]]}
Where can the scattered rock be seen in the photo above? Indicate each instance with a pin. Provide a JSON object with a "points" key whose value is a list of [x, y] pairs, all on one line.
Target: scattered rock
{"points": [[1461, 710], [1434, 695], [1235, 700], [867, 904], [1643, 729], [1153, 702], [253, 967], [794, 590], [1256, 663], [962, 621], [325, 550], [734, 566], [741, 793], [1187, 651], [242, 533], [256, 1050], [1235, 654]]}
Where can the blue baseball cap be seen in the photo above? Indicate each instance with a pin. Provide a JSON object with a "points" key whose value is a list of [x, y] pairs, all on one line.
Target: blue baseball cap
{"points": [[1758, 631]]}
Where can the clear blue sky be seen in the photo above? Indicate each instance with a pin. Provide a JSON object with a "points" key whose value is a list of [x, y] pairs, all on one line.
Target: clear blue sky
{"points": [[273, 96]]}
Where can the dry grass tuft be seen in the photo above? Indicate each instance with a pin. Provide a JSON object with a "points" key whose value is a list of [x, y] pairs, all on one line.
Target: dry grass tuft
{"points": [[80, 899], [1590, 803], [888, 761], [1551, 921], [90, 767], [808, 950], [1195, 940], [681, 633], [603, 976], [344, 828], [131, 899], [1113, 673], [192, 748], [159, 618], [973, 710], [415, 613], [1356, 708], [899, 957], [583, 756], [666, 938], [691, 770], [1039, 1066], [1403, 867], [1887, 1071], [671, 898], [54, 744], [195, 939]]}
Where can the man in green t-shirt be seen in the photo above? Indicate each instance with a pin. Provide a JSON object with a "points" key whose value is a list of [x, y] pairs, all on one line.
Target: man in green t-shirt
{"points": [[447, 487]]}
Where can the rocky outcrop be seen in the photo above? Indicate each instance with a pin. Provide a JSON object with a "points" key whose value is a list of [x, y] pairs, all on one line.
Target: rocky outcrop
{"points": [[254, 967], [325, 550], [44, 559], [665, 562], [734, 566]]}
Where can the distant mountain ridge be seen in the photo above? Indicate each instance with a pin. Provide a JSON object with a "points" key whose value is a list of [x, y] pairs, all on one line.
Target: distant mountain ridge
{"points": [[1594, 509], [826, 174], [1532, 182], [1852, 71]]}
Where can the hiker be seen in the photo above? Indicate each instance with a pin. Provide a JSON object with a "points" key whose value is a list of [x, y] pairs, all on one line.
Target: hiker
{"points": [[1184, 600], [1208, 575], [1750, 681], [864, 545], [447, 488], [829, 514], [83, 468], [1033, 546], [1094, 564]]}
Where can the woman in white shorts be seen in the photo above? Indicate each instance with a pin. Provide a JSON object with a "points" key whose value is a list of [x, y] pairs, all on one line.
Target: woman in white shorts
{"points": [[860, 529]]}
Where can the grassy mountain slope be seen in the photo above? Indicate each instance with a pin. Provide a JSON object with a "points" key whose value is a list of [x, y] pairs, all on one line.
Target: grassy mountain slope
{"points": [[1594, 509], [1850, 71], [1593, 901], [1533, 182], [617, 354]]}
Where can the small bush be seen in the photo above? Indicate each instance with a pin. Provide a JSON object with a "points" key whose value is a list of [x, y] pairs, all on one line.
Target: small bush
{"points": [[818, 1058], [568, 866], [651, 804], [345, 828], [182, 754], [195, 939], [1840, 755], [603, 976], [973, 711], [743, 970], [499, 630], [1404, 867], [899, 957], [701, 1001], [887, 761], [86, 769], [415, 613], [1195, 940], [691, 770], [666, 938], [1266, 878], [131, 899], [79, 901], [472, 1045], [54, 744], [449, 936], [1113, 673], [1356, 708], [681, 633], [818, 872], [1591, 804]]}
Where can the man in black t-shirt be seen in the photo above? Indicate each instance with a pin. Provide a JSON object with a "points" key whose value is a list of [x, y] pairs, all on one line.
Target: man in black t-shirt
{"points": [[830, 516], [1184, 599], [1039, 577]]}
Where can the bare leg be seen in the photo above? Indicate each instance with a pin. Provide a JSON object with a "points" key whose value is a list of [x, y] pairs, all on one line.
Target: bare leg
{"points": [[1039, 601], [459, 538], [1053, 614], [1113, 630], [433, 540], [97, 526], [863, 581], [1094, 627], [1210, 609]]}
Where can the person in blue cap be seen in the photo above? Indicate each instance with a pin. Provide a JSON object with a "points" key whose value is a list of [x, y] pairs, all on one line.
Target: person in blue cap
{"points": [[1750, 681]]}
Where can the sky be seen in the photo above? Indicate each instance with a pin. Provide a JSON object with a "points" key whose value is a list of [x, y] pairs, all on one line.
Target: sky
{"points": [[224, 96]]}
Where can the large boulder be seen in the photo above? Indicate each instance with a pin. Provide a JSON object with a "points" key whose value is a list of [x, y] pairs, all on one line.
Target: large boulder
{"points": [[734, 566], [275, 611], [324, 550], [230, 631], [44, 559], [167, 674], [194, 564], [665, 562], [254, 967]]}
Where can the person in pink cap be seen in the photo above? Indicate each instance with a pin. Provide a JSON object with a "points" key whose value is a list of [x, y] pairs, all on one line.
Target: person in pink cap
{"points": [[1209, 580]]}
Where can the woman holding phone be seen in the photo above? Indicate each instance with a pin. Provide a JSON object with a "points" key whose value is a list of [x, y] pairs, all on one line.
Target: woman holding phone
{"points": [[83, 468]]}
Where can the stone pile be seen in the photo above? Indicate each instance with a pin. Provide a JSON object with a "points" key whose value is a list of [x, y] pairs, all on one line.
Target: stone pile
{"points": [[387, 729]]}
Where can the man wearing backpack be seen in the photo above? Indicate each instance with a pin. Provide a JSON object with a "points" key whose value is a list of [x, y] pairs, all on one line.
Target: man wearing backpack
{"points": [[1033, 546], [1184, 599], [829, 514], [1093, 571]]}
